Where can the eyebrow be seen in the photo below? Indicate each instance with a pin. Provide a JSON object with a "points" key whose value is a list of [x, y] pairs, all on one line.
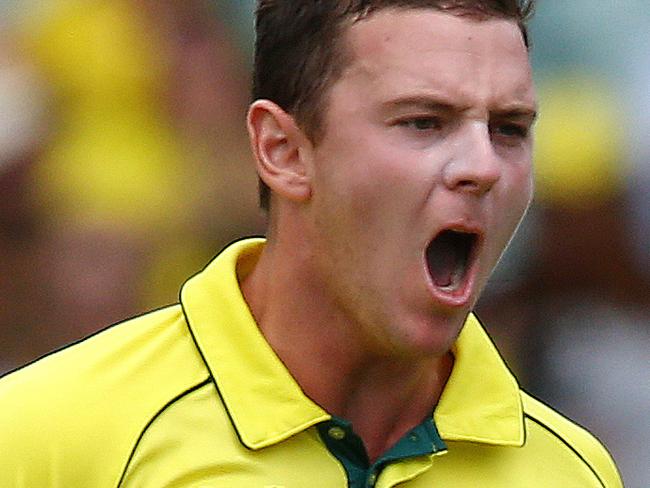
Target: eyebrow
{"points": [[517, 111], [435, 103], [422, 101]]}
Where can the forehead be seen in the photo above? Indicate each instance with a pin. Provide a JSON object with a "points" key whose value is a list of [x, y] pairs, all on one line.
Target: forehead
{"points": [[430, 49]]}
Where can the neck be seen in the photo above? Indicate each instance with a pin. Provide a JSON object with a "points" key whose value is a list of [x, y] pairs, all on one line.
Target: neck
{"points": [[382, 394]]}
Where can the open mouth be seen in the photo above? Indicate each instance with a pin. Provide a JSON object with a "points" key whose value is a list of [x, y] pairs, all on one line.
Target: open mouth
{"points": [[449, 257]]}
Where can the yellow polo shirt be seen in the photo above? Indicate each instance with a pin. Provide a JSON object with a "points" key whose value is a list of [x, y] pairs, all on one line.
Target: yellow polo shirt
{"points": [[193, 396]]}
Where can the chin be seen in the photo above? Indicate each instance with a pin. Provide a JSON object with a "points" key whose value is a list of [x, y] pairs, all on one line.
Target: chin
{"points": [[432, 338]]}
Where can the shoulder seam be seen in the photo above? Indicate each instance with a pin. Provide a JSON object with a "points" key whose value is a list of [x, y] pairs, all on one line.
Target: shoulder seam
{"points": [[567, 444], [153, 419]]}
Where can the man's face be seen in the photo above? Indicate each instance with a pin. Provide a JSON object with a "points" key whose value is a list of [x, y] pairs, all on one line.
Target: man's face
{"points": [[422, 174]]}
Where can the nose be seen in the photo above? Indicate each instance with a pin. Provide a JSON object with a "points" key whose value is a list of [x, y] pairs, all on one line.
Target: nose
{"points": [[474, 166]]}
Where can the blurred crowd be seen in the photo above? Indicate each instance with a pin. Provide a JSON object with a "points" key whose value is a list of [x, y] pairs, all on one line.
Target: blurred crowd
{"points": [[124, 167], [124, 163]]}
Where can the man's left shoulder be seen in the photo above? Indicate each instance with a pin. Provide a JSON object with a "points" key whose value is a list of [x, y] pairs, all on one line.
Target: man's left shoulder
{"points": [[548, 430]]}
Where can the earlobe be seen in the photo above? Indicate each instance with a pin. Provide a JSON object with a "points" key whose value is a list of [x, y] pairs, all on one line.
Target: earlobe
{"points": [[280, 150]]}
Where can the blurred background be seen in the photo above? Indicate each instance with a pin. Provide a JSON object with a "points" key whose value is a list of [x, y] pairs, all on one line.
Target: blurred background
{"points": [[124, 167]]}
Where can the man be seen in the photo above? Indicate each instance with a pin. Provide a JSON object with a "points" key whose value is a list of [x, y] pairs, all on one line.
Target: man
{"points": [[393, 140]]}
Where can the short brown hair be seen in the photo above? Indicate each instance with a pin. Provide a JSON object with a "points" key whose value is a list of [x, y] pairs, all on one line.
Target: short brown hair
{"points": [[298, 54]]}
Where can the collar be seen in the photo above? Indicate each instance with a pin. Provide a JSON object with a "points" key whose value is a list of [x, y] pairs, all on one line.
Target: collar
{"points": [[267, 406], [263, 401], [481, 401]]}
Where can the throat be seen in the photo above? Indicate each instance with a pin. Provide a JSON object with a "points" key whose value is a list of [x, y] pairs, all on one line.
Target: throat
{"points": [[382, 412]]}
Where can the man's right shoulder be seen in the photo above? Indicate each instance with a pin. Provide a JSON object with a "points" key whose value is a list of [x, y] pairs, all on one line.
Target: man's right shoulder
{"points": [[85, 405]]}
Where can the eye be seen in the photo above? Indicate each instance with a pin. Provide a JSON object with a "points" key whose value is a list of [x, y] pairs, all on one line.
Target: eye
{"points": [[421, 123], [511, 130]]}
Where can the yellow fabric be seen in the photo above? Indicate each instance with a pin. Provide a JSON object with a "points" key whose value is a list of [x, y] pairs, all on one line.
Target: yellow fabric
{"points": [[192, 396]]}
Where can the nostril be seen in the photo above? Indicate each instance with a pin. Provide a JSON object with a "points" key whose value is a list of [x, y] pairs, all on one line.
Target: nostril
{"points": [[467, 183], [473, 186]]}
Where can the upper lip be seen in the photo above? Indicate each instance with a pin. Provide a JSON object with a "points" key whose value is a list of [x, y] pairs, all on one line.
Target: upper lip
{"points": [[462, 225]]}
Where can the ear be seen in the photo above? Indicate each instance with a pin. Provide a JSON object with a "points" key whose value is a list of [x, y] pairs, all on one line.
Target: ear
{"points": [[281, 150]]}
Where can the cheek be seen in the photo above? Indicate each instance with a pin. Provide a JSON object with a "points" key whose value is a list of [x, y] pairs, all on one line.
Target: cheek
{"points": [[363, 173], [526, 185], [517, 196]]}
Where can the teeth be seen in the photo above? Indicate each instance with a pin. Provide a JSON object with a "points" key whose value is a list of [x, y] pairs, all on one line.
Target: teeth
{"points": [[456, 279]]}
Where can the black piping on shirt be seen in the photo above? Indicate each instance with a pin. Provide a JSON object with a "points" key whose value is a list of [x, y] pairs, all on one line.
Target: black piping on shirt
{"points": [[567, 444], [153, 419]]}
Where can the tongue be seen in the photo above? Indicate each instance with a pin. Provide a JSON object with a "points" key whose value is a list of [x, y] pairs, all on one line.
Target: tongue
{"points": [[442, 258]]}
